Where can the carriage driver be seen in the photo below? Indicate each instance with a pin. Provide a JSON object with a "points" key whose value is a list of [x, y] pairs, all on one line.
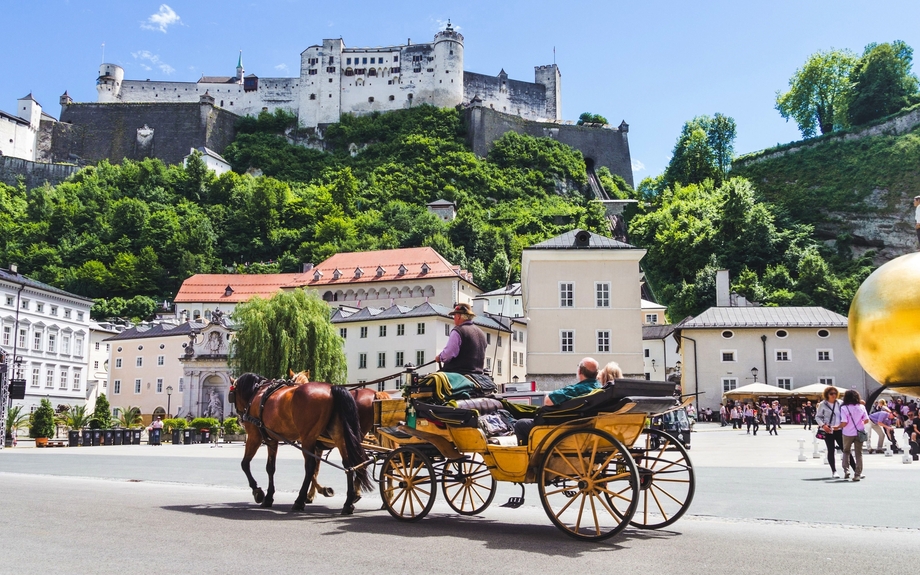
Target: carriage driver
{"points": [[465, 351]]}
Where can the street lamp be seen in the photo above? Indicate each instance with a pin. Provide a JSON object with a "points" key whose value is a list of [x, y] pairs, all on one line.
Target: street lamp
{"points": [[754, 372], [677, 366], [168, 398], [653, 365]]}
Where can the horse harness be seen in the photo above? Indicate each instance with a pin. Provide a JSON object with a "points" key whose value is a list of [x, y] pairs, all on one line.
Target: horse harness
{"points": [[273, 386]]}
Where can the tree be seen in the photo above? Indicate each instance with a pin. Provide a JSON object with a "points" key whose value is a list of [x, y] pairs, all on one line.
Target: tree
{"points": [[289, 331], [42, 420], [818, 92], [720, 134], [693, 160], [882, 82], [130, 417], [102, 413], [76, 417], [589, 118]]}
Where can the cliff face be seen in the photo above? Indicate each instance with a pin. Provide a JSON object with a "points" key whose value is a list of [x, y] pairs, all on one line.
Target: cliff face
{"points": [[857, 186]]}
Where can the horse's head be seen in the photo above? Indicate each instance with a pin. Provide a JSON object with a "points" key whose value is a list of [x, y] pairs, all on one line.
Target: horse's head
{"points": [[245, 387], [301, 377]]}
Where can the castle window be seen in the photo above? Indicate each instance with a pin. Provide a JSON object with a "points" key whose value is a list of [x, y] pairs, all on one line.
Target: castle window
{"points": [[396, 58], [373, 60], [312, 96], [431, 69], [371, 99], [330, 69], [392, 98], [311, 71], [410, 96], [348, 61], [416, 70], [330, 80], [331, 60], [364, 60]]}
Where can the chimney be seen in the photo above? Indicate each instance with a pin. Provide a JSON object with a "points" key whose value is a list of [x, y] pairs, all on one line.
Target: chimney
{"points": [[14, 268], [307, 267], [479, 305], [723, 289]]}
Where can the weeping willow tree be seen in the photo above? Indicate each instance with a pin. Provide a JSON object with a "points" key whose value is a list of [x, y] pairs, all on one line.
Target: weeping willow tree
{"points": [[289, 331]]}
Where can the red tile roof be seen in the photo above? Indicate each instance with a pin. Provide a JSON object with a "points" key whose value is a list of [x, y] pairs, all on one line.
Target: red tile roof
{"points": [[211, 288], [388, 262]]}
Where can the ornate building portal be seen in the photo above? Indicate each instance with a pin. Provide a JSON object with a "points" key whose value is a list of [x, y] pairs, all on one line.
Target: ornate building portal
{"points": [[207, 371]]}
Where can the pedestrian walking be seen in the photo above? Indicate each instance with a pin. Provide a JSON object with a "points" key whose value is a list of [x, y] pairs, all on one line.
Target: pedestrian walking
{"points": [[827, 416], [854, 418], [723, 415], [809, 413]]}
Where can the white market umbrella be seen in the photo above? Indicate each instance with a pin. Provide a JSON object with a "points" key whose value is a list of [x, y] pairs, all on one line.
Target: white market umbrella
{"points": [[817, 389], [754, 390]]}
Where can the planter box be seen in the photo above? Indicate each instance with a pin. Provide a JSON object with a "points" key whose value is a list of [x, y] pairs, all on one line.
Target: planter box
{"points": [[231, 437]]}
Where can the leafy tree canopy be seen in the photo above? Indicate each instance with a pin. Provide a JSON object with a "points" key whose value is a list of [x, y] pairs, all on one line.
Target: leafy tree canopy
{"points": [[882, 82], [703, 151], [818, 92], [589, 118]]}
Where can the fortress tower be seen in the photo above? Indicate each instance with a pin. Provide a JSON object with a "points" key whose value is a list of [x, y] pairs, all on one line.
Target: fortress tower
{"points": [[550, 77], [447, 81], [108, 84]]}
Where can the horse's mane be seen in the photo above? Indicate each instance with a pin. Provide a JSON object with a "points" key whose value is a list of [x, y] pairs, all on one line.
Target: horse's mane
{"points": [[247, 384]]}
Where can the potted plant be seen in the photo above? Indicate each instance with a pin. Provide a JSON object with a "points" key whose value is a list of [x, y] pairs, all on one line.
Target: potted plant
{"points": [[173, 428], [102, 418], [233, 431], [42, 426], [130, 419], [76, 419], [15, 420], [204, 425]]}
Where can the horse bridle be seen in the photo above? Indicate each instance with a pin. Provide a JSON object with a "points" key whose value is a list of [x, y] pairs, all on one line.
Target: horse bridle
{"points": [[273, 386]]}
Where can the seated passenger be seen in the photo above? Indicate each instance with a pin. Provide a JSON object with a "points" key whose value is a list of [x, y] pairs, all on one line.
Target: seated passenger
{"points": [[610, 373], [587, 374]]}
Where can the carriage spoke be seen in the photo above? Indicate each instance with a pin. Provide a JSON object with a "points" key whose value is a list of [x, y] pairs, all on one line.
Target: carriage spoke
{"points": [[658, 503], [665, 492]]}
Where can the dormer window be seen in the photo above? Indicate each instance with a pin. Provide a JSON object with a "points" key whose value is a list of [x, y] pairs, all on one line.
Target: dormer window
{"points": [[359, 272], [402, 269], [336, 274], [425, 268], [228, 291], [317, 275], [380, 271]]}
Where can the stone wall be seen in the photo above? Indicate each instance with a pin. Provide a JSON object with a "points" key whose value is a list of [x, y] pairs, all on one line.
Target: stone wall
{"points": [[34, 174], [93, 132], [499, 93], [604, 146]]}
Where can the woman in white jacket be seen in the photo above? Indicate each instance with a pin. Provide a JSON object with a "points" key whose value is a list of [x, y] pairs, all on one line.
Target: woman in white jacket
{"points": [[827, 416]]}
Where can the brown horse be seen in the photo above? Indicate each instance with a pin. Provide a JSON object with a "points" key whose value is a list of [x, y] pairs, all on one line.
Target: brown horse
{"points": [[364, 398], [302, 414]]}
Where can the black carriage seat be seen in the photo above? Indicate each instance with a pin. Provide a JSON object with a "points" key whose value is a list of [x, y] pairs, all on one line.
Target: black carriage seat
{"points": [[646, 396], [466, 413]]}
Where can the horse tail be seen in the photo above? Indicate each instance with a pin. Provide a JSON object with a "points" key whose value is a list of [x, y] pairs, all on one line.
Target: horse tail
{"points": [[347, 410]]}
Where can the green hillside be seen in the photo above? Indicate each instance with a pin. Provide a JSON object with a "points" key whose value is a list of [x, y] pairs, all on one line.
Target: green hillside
{"points": [[138, 229]]}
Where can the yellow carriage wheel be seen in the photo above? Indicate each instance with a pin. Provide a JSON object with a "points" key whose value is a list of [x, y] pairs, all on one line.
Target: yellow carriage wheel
{"points": [[468, 486], [407, 484], [666, 480], [582, 472]]}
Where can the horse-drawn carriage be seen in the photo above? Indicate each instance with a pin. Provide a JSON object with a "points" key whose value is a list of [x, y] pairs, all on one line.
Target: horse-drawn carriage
{"points": [[597, 464]]}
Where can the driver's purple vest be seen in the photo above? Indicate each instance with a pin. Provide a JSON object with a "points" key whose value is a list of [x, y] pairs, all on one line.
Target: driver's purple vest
{"points": [[472, 354]]}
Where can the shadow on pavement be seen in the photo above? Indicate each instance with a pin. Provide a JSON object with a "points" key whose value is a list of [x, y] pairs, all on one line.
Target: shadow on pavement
{"points": [[545, 539]]}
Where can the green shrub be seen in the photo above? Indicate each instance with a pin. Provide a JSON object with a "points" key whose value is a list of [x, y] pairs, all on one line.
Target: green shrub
{"points": [[232, 426], [200, 423], [42, 421], [174, 423]]}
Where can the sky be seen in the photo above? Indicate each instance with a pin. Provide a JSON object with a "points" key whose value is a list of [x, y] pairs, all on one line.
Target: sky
{"points": [[653, 63]]}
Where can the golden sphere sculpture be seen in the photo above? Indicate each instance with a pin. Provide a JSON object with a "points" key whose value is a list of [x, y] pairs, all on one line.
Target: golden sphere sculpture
{"points": [[884, 324]]}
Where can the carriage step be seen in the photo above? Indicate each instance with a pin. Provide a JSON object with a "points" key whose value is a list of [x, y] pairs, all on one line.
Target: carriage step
{"points": [[515, 502]]}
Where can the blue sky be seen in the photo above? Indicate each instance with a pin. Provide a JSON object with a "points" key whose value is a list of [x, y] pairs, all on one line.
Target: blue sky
{"points": [[655, 64]]}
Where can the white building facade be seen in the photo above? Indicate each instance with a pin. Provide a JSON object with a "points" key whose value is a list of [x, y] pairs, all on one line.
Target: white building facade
{"points": [[335, 79], [19, 131], [45, 330], [789, 347], [380, 342]]}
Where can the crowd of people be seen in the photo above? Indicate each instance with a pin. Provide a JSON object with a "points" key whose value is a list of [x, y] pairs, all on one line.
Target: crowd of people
{"points": [[752, 416]]}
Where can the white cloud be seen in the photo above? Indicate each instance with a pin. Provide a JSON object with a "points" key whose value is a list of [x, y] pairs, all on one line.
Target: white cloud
{"points": [[442, 24], [161, 20], [282, 67], [147, 59], [637, 166]]}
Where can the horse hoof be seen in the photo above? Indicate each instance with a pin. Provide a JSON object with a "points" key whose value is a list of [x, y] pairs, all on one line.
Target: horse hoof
{"points": [[298, 507], [348, 510], [357, 499], [328, 492], [267, 503], [259, 495], [309, 500]]}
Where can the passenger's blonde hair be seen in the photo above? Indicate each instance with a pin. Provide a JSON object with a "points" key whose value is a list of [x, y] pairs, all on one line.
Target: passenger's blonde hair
{"points": [[610, 372]]}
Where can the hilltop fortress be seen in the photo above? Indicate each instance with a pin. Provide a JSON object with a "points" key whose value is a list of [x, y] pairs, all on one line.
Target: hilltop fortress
{"points": [[335, 80], [138, 119]]}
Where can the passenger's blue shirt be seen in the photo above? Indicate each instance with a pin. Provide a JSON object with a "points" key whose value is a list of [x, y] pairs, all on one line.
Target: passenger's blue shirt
{"points": [[568, 392]]}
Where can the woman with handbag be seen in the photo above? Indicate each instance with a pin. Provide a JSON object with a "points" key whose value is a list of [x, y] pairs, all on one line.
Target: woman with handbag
{"points": [[854, 418], [827, 415]]}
